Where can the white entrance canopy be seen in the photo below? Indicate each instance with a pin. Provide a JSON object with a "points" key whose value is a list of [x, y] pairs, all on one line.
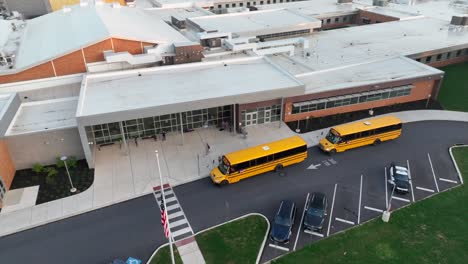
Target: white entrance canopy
{"points": [[117, 96]]}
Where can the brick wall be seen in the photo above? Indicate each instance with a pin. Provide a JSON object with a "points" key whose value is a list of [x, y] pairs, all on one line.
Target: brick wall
{"points": [[133, 47], [94, 53], [7, 167], [70, 64], [443, 63], [44, 70], [187, 54], [73, 63], [420, 91], [373, 17]]}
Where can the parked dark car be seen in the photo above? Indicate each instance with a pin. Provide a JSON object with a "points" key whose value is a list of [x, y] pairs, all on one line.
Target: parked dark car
{"points": [[399, 178], [281, 227], [316, 211]]}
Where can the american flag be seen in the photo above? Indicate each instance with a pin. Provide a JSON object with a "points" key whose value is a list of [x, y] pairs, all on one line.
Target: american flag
{"points": [[164, 222]]}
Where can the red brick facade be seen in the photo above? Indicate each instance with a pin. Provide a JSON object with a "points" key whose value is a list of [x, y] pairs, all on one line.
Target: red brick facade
{"points": [[373, 18], [133, 47], [420, 91], [7, 167], [44, 70], [70, 64], [94, 53], [74, 62]]}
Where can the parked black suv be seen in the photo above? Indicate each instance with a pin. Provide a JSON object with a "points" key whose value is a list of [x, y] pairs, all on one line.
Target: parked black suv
{"points": [[316, 210], [399, 177], [281, 228]]}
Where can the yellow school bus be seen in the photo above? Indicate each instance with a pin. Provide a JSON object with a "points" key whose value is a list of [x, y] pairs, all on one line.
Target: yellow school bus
{"points": [[357, 134], [249, 162]]}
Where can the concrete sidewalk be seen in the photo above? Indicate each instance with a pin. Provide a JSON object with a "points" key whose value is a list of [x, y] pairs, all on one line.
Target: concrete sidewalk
{"points": [[120, 177]]}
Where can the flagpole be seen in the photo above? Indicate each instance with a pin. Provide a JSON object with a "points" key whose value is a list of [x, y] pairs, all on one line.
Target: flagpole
{"points": [[165, 208]]}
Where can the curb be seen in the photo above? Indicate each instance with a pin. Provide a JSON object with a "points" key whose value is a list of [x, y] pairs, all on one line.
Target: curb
{"points": [[227, 222], [454, 161]]}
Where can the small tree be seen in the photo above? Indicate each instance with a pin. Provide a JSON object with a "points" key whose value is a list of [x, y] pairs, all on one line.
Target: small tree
{"points": [[72, 162], [51, 173], [37, 168], [59, 163]]}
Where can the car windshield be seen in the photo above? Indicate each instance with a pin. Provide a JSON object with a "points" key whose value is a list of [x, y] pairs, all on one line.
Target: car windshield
{"points": [[401, 174], [223, 167], [332, 137], [282, 221], [314, 212]]}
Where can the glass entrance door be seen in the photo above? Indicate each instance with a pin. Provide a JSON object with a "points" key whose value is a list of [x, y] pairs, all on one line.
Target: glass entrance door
{"points": [[267, 116], [251, 118]]}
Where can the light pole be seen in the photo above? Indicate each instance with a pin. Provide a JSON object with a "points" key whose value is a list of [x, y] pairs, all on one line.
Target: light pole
{"points": [[64, 159]]}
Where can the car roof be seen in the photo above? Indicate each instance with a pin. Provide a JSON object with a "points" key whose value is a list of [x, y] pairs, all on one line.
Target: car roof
{"points": [[316, 199], [286, 207]]}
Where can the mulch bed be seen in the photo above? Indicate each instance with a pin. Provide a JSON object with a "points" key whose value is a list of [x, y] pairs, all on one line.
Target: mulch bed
{"points": [[333, 120], [82, 178]]}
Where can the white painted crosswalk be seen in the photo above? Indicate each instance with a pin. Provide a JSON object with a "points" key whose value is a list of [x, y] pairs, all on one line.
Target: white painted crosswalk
{"points": [[180, 227]]}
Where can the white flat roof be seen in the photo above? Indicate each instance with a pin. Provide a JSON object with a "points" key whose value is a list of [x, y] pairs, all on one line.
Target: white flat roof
{"points": [[42, 116], [440, 9], [366, 73], [58, 33], [254, 23], [112, 97], [184, 3], [4, 100], [180, 13], [314, 8], [392, 12], [5, 30], [338, 47]]}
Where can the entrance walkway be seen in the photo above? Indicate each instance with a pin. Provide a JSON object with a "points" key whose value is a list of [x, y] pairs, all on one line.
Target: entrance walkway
{"points": [[119, 177]]}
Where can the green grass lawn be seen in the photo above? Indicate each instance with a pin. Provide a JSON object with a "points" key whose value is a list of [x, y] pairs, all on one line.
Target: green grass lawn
{"points": [[454, 91], [431, 231], [164, 256], [235, 242]]}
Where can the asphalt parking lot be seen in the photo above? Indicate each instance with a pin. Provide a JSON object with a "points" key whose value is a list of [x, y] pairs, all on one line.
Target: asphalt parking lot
{"points": [[362, 193], [133, 228]]}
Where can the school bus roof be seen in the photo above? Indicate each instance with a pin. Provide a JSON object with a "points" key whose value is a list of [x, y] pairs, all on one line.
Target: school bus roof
{"points": [[364, 125], [264, 149]]}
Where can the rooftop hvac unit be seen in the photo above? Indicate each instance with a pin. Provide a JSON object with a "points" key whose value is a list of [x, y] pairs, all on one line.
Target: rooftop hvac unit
{"points": [[459, 20], [344, 1], [380, 2], [178, 22]]}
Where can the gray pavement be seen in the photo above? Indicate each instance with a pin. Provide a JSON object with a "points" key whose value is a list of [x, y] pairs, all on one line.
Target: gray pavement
{"points": [[133, 228]]}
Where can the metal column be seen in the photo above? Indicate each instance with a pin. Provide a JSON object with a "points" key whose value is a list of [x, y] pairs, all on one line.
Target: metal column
{"points": [[181, 127], [124, 140], [234, 113], [281, 111]]}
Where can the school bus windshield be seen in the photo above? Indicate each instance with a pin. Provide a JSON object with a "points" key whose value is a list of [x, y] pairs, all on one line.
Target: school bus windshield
{"points": [[332, 137], [223, 166]]}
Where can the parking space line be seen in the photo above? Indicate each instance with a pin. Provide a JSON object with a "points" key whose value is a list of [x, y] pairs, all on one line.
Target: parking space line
{"points": [[331, 212], [344, 221], [433, 173], [360, 198], [386, 189], [424, 189], [373, 209], [410, 180], [313, 233], [278, 247], [447, 180], [401, 199], [302, 220]]}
